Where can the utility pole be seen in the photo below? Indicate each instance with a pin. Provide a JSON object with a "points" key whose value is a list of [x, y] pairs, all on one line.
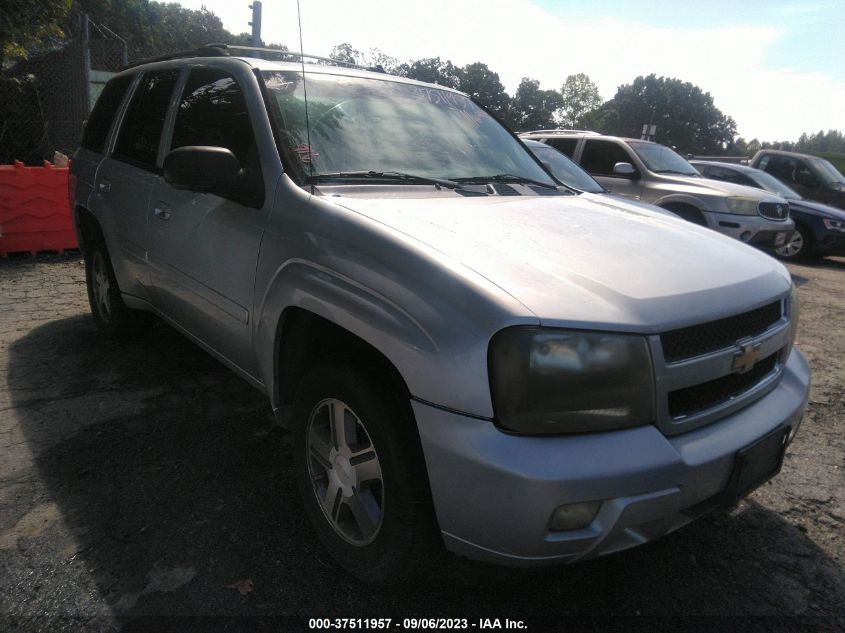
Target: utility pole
{"points": [[256, 23]]}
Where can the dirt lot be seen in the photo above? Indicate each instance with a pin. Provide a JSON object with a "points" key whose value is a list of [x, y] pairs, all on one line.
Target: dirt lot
{"points": [[145, 479]]}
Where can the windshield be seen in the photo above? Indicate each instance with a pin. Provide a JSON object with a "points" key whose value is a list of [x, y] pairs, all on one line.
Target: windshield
{"points": [[828, 172], [773, 185], [361, 126], [564, 169], [662, 160]]}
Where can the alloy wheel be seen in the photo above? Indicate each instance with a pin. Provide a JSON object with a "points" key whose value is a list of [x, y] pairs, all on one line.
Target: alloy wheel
{"points": [[345, 472]]}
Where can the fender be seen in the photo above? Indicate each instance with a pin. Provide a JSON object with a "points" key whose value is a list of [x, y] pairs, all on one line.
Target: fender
{"points": [[346, 303]]}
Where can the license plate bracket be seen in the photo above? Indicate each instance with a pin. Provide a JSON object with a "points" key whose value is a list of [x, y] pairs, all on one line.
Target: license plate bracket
{"points": [[755, 464]]}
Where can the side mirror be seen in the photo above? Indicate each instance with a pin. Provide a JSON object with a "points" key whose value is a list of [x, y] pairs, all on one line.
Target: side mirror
{"points": [[204, 169], [624, 169]]}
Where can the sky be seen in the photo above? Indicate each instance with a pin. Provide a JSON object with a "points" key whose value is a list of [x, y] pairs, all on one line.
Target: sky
{"points": [[776, 66]]}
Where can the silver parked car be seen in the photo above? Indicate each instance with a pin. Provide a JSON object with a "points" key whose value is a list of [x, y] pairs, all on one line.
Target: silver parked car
{"points": [[653, 173], [467, 354]]}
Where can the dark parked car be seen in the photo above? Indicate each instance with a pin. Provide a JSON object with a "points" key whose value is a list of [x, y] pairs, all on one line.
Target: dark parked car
{"points": [[819, 228], [812, 177]]}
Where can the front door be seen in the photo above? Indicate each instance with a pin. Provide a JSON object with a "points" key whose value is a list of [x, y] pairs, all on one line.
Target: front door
{"points": [[599, 157], [204, 248]]}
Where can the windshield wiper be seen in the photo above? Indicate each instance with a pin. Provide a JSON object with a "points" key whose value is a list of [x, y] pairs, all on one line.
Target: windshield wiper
{"points": [[504, 178], [385, 175]]}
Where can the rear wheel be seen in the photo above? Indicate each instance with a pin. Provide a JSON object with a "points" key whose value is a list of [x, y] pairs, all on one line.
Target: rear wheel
{"points": [[798, 245], [360, 473], [113, 318]]}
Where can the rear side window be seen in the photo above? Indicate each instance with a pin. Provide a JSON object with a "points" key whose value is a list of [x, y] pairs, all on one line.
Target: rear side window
{"points": [[213, 112], [99, 122], [564, 145], [599, 157], [140, 134]]}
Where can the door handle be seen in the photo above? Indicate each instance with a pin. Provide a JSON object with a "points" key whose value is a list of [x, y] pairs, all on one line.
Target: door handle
{"points": [[162, 211], [104, 186]]}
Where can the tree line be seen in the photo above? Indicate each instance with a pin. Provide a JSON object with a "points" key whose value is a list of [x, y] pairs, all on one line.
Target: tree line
{"points": [[685, 117]]}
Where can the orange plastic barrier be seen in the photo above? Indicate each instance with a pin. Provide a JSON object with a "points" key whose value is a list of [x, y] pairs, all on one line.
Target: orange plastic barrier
{"points": [[34, 209]]}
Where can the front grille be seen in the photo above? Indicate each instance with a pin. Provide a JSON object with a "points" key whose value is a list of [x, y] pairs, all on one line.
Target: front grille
{"points": [[696, 340], [690, 400], [773, 210]]}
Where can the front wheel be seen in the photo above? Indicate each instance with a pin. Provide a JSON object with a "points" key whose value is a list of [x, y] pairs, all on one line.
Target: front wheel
{"points": [[113, 318], [361, 475], [797, 246]]}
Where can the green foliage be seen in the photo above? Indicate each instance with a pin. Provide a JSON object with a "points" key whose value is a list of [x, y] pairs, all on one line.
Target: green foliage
{"points": [[579, 96], [375, 58], [684, 115], [432, 70], [533, 108], [156, 28], [483, 85], [28, 25]]}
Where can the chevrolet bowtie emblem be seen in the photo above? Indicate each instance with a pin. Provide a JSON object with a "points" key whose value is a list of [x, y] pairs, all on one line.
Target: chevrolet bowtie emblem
{"points": [[746, 357]]}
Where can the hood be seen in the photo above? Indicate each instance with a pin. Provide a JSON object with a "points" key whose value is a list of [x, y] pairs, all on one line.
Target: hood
{"points": [[721, 187], [817, 208], [574, 261], [627, 204]]}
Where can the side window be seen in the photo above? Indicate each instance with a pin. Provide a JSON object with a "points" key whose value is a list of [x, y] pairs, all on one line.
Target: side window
{"points": [[764, 162], [212, 111], [140, 134], [564, 145], [99, 122], [599, 157]]}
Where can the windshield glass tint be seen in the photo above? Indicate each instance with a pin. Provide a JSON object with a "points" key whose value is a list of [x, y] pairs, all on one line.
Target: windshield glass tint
{"points": [[359, 124], [828, 172], [661, 159], [565, 170], [773, 185]]}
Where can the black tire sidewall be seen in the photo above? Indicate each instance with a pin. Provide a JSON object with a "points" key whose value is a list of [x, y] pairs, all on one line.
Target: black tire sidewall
{"points": [[408, 529], [806, 249], [124, 323]]}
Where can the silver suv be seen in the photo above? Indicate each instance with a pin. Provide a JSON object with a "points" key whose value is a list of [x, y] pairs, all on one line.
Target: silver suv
{"points": [[467, 354], [653, 173]]}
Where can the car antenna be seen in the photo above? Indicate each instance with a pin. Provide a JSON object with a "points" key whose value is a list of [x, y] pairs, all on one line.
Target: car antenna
{"points": [[305, 98]]}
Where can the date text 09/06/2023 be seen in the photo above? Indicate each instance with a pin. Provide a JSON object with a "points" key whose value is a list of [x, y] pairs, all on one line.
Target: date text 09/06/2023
{"points": [[408, 624]]}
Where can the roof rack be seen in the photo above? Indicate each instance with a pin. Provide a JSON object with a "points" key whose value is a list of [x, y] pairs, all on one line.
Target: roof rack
{"points": [[226, 50], [559, 131]]}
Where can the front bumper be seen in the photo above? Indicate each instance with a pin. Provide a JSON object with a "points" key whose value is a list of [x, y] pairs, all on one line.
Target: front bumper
{"points": [[751, 228], [494, 494]]}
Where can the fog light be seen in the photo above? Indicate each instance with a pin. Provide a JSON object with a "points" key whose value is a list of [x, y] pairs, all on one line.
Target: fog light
{"points": [[575, 515], [746, 235]]}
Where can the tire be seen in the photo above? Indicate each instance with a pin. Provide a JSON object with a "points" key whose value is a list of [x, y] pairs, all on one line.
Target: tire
{"points": [[798, 246], [113, 318], [365, 489]]}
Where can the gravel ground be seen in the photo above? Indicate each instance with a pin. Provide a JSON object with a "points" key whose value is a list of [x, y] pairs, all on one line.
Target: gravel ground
{"points": [[141, 483]]}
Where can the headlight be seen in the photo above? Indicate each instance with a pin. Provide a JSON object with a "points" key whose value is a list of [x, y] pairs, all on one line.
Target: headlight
{"points": [[835, 225], [546, 381], [742, 206]]}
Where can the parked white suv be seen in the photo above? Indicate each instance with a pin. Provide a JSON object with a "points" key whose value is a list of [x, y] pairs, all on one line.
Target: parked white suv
{"points": [[653, 173], [467, 354]]}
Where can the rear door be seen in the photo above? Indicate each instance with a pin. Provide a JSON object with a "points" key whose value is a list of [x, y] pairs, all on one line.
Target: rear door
{"points": [[204, 247], [126, 177]]}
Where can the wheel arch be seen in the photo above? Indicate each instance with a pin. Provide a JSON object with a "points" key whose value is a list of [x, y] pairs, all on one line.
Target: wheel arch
{"points": [[303, 339]]}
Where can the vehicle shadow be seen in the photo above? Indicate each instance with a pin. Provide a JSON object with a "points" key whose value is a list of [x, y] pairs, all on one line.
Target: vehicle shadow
{"points": [[174, 484]]}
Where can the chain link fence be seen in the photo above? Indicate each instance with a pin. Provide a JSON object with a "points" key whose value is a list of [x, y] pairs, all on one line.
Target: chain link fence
{"points": [[45, 99]]}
